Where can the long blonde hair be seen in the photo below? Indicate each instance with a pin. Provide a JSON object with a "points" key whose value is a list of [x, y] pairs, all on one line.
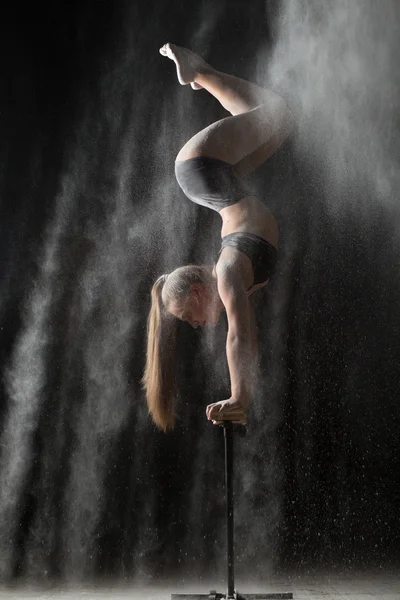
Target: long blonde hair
{"points": [[158, 379]]}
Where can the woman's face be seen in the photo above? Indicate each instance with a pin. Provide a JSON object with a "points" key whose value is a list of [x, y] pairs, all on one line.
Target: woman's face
{"points": [[202, 307]]}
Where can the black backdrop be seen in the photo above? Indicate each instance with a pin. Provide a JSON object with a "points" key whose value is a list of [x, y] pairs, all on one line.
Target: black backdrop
{"points": [[317, 476]]}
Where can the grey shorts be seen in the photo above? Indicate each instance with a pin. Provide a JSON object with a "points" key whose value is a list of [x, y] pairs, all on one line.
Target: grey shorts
{"points": [[210, 182]]}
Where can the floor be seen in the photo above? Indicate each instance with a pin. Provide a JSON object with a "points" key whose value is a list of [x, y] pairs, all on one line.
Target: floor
{"points": [[327, 587]]}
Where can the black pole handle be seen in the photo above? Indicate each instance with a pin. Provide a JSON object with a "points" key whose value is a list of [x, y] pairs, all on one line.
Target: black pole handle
{"points": [[229, 430], [228, 437]]}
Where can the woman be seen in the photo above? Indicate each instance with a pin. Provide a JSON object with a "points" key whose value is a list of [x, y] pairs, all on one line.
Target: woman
{"points": [[209, 168]]}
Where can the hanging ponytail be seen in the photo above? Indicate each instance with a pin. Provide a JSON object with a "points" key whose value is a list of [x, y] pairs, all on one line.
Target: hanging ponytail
{"points": [[159, 376], [159, 379]]}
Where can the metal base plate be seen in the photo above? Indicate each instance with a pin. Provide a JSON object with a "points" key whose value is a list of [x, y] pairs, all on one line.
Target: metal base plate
{"points": [[215, 596]]}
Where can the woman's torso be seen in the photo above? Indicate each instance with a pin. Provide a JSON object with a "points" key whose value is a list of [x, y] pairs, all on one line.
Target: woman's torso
{"points": [[248, 215], [251, 216]]}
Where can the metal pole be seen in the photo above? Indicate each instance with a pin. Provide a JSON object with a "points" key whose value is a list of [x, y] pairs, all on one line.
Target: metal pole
{"points": [[228, 435], [229, 430]]}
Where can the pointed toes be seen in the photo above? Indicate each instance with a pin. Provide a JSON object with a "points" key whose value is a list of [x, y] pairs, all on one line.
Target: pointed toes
{"points": [[166, 49]]}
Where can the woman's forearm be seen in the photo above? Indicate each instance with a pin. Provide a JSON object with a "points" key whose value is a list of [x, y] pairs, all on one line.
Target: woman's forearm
{"points": [[241, 352]]}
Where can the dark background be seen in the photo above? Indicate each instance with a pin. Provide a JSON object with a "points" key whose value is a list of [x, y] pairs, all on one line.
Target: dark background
{"points": [[91, 120]]}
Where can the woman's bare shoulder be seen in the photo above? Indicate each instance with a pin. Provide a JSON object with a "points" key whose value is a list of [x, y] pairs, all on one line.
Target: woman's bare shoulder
{"points": [[234, 266]]}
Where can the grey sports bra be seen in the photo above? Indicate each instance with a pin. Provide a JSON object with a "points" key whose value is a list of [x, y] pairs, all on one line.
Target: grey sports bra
{"points": [[262, 254]]}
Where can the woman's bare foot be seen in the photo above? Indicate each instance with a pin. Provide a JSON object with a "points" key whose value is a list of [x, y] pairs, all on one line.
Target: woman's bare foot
{"points": [[188, 64]]}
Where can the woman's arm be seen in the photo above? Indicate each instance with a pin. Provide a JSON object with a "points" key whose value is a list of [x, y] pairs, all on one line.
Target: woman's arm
{"points": [[241, 345]]}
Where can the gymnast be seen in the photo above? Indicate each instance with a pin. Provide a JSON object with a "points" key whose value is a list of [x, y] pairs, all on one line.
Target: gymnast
{"points": [[209, 169]]}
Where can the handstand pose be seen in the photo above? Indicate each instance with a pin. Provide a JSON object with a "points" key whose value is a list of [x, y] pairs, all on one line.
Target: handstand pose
{"points": [[209, 168]]}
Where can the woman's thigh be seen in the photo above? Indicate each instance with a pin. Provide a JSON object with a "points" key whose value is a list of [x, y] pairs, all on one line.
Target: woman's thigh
{"points": [[234, 138]]}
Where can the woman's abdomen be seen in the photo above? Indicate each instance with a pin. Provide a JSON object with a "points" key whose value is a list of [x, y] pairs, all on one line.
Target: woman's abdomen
{"points": [[251, 216]]}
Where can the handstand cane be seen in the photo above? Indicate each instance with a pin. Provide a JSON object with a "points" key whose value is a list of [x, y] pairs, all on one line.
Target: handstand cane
{"points": [[229, 429]]}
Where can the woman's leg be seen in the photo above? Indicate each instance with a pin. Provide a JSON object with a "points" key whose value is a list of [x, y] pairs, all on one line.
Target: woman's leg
{"points": [[259, 123]]}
